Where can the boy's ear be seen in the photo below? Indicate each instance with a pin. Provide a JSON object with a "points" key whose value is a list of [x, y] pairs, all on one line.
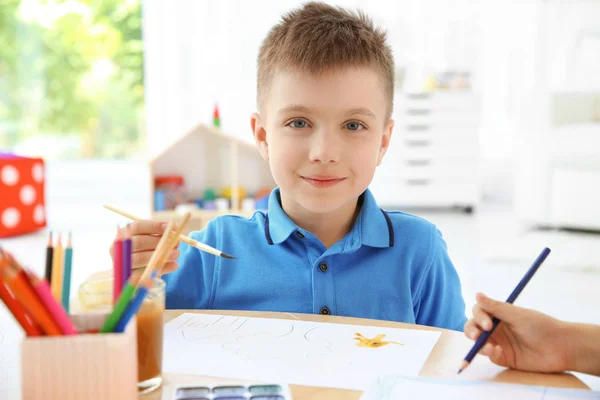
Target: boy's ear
{"points": [[385, 140], [260, 135]]}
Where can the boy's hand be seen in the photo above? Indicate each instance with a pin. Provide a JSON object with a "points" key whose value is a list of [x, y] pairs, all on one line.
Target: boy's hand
{"points": [[145, 236], [525, 339]]}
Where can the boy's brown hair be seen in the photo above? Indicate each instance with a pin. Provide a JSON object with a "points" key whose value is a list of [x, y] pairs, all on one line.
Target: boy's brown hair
{"points": [[317, 37]]}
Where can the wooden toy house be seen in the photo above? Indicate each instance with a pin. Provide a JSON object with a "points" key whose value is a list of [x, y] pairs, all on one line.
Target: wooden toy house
{"points": [[208, 158]]}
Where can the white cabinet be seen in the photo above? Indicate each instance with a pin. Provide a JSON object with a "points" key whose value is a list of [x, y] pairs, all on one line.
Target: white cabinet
{"points": [[433, 157]]}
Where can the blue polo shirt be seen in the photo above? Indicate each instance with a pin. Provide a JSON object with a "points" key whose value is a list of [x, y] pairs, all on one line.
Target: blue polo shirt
{"points": [[390, 266]]}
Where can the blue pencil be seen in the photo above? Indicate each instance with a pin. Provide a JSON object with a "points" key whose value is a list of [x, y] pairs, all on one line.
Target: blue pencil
{"points": [[511, 299], [134, 306]]}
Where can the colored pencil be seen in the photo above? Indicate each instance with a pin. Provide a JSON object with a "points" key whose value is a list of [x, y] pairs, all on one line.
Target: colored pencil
{"points": [[135, 304], [117, 267], [145, 285], [57, 269], [120, 305], [126, 257], [183, 238], [58, 313], [66, 287], [49, 253], [511, 299], [17, 309], [21, 271], [23, 292], [130, 287]]}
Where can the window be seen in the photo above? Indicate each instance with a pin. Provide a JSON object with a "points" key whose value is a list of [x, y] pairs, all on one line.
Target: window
{"points": [[71, 78]]}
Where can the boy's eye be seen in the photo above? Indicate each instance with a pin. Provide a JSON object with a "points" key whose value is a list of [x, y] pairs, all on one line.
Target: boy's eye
{"points": [[354, 126], [298, 123]]}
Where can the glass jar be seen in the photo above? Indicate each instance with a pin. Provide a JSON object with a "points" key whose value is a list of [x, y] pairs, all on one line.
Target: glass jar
{"points": [[95, 295]]}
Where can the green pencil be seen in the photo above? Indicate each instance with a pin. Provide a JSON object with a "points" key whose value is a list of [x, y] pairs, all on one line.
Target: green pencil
{"points": [[120, 306]]}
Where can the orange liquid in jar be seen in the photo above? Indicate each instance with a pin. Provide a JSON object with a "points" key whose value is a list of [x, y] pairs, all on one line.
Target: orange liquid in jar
{"points": [[150, 340]]}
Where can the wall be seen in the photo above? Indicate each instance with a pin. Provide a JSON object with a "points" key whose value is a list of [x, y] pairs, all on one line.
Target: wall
{"points": [[202, 52]]}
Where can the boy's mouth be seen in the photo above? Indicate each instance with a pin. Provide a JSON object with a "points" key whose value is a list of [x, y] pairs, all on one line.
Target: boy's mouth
{"points": [[322, 181]]}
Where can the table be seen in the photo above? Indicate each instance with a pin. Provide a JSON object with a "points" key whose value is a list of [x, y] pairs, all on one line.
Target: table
{"points": [[443, 361]]}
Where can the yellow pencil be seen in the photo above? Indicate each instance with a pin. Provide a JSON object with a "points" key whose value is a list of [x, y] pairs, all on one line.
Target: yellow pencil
{"points": [[57, 270]]}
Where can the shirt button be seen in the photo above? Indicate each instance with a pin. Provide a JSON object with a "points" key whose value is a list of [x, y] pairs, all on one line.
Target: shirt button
{"points": [[325, 311], [323, 267], [300, 235]]}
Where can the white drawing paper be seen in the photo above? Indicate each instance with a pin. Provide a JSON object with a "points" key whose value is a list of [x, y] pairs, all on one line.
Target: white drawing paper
{"points": [[402, 387], [292, 351]]}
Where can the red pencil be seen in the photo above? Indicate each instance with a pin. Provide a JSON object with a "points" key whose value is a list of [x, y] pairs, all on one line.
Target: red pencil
{"points": [[20, 286], [55, 310], [17, 310]]}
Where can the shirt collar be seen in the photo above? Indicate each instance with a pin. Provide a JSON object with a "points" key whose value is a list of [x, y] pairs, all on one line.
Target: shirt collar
{"points": [[278, 226], [373, 226]]}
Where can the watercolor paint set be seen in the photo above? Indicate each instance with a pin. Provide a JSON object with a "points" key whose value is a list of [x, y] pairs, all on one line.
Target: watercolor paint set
{"points": [[235, 391]]}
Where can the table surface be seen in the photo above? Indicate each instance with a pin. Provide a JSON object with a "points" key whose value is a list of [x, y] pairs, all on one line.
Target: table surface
{"points": [[443, 361]]}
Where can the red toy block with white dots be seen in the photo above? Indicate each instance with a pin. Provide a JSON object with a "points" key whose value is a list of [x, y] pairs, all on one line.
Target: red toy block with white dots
{"points": [[22, 207]]}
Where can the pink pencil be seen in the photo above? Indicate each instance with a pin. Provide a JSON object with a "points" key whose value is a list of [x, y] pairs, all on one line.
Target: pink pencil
{"points": [[42, 289]]}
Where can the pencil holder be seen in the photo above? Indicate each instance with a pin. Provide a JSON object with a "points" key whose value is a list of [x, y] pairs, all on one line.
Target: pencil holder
{"points": [[84, 366]]}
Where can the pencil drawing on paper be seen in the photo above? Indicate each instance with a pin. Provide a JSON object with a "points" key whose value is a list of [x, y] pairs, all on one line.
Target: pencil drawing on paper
{"points": [[195, 329], [292, 350], [376, 342], [254, 342]]}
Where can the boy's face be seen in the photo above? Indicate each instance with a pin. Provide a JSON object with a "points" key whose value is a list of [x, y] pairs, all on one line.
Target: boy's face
{"points": [[323, 136]]}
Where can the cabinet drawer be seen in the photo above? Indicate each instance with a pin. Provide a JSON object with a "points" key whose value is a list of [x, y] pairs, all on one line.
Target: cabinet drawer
{"points": [[464, 170], [448, 118], [442, 130], [446, 136], [438, 101], [431, 148], [573, 201], [412, 193]]}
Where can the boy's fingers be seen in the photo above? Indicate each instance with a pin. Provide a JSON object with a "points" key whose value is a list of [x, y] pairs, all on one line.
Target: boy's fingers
{"points": [[482, 318], [497, 355], [146, 227], [471, 330], [144, 242], [169, 267], [140, 259], [498, 309], [487, 350]]}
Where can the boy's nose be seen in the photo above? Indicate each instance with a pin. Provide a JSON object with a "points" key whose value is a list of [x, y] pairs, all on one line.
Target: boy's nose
{"points": [[324, 148]]}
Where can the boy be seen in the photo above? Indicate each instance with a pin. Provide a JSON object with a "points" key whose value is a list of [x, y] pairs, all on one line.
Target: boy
{"points": [[325, 91]]}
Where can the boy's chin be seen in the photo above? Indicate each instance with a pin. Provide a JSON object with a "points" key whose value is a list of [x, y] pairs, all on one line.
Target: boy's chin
{"points": [[321, 206]]}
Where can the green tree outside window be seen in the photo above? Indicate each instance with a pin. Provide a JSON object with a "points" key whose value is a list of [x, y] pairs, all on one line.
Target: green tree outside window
{"points": [[71, 78]]}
